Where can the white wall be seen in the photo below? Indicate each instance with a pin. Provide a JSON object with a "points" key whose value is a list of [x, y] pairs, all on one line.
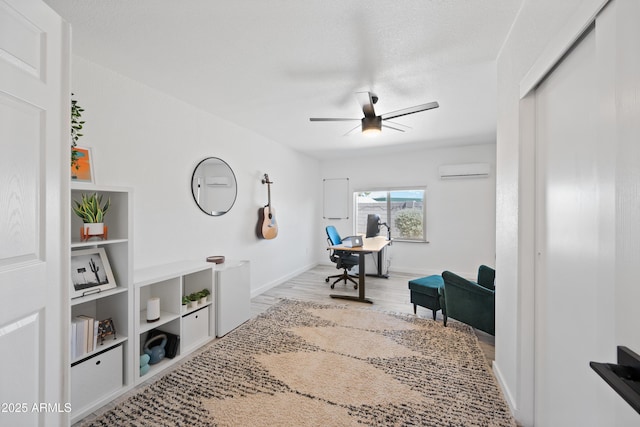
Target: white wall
{"points": [[146, 140], [460, 213], [539, 30]]}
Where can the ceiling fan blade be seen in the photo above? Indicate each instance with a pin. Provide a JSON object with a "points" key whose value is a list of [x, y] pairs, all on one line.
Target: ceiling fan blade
{"points": [[391, 127], [328, 119], [410, 110], [352, 131], [396, 124], [366, 102]]}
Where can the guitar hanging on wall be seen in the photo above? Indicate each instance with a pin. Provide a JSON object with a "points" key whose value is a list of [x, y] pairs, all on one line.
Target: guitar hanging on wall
{"points": [[267, 226]]}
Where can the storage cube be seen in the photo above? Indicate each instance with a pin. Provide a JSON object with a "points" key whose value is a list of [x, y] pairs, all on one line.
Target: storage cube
{"points": [[95, 378], [195, 328]]}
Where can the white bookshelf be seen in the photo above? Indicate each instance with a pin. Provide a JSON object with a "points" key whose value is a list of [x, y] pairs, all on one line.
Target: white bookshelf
{"points": [[113, 367], [105, 372]]}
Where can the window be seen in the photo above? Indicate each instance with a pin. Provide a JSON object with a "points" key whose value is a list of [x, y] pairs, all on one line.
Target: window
{"points": [[403, 210]]}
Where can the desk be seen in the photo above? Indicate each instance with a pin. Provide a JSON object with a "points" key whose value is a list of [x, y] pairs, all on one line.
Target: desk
{"points": [[370, 245]]}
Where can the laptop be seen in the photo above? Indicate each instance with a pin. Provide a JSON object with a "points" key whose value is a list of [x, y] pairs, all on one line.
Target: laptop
{"points": [[352, 241]]}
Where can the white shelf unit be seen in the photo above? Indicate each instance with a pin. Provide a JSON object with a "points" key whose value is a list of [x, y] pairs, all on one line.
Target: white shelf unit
{"points": [[104, 373], [170, 282]]}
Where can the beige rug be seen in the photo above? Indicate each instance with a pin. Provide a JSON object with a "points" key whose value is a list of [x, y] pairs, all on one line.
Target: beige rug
{"points": [[304, 364]]}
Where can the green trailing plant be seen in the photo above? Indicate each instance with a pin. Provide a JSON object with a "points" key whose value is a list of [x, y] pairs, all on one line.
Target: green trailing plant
{"points": [[90, 208], [76, 127]]}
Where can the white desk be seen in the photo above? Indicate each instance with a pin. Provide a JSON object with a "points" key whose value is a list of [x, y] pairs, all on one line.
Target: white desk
{"points": [[370, 245]]}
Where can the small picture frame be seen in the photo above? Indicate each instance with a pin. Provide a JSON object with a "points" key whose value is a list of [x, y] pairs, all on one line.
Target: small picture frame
{"points": [[90, 272], [82, 170]]}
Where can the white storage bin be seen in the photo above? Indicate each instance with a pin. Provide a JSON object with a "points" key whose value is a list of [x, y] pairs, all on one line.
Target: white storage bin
{"points": [[96, 378], [195, 328]]}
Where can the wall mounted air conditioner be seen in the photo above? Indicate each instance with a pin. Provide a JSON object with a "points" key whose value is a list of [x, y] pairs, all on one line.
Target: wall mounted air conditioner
{"points": [[466, 170], [217, 181]]}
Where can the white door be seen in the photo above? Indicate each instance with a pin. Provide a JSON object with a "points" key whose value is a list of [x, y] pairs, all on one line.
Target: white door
{"points": [[33, 196], [572, 208]]}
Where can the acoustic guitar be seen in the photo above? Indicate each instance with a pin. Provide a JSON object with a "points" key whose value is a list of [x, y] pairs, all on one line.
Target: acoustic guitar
{"points": [[267, 226]]}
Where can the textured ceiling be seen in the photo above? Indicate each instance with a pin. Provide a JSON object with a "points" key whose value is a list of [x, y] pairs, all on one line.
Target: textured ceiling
{"points": [[270, 65]]}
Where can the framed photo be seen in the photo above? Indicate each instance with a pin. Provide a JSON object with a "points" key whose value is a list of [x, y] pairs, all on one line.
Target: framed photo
{"points": [[82, 170], [90, 272]]}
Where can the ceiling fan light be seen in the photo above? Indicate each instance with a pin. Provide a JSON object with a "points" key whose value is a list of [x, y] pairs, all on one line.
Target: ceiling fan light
{"points": [[371, 126], [371, 132]]}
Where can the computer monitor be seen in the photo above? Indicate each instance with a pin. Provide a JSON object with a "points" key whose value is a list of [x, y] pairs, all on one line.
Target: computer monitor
{"points": [[373, 225]]}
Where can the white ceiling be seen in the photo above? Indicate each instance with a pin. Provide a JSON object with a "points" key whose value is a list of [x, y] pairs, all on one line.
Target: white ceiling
{"points": [[270, 65]]}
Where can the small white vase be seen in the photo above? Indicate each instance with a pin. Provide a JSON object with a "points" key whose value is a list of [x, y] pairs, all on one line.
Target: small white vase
{"points": [[153, 309]]}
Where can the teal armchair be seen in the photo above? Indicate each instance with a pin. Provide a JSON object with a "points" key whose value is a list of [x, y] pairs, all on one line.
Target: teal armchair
{"points": [[470, 302]]}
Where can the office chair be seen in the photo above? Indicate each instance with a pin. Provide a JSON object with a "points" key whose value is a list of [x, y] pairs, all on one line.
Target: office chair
{"points": [[343, 259]]}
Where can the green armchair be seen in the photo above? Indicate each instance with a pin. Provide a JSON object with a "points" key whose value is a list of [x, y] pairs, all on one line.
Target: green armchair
{"points": [[470, 302]]}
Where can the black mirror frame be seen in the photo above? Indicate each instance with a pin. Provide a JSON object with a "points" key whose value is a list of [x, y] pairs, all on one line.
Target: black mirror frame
{"points": [[195, 198]]}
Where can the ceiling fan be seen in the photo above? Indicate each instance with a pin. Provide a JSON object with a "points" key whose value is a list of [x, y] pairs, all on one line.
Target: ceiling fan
{"points": [[371, 123]]}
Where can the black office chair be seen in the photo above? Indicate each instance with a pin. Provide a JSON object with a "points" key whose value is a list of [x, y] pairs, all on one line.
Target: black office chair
{"points": [[344, 260]]}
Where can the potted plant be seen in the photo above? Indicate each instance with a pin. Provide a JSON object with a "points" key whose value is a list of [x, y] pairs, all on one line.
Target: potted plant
{"points": [[92, 211], [193, 300], [205, 292], [202, 298], [185, 303], [76, 127]]}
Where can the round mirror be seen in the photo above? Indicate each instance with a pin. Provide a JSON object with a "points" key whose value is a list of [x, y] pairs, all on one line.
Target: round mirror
{"points": [[214, 186]]}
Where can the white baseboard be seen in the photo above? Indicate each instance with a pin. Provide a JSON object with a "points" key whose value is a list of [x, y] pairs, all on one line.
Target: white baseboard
{"points": [[430, 272], [264, 288], [505, 390], [418, 272]]}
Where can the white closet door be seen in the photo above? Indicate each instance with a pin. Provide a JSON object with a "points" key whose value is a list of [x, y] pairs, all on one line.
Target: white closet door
{"points": [[569, 192]]}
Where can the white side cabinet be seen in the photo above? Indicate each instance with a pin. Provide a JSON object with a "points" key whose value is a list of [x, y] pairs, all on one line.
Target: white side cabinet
{"points": [[102, 370], [233, 295], [186, 328]]}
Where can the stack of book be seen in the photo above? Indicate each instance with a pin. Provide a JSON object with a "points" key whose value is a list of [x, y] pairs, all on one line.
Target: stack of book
{"points": [[84, 335]]}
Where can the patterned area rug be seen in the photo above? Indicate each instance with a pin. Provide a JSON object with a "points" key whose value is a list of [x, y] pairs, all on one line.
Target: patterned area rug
{"points": [[305, 364]]}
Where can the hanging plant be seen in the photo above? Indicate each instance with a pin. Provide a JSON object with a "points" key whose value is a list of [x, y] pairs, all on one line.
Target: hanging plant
{"points": [[76, 127]]}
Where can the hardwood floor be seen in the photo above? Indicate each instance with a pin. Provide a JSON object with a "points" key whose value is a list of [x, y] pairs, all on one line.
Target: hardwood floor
{"points": [[390, 294]]}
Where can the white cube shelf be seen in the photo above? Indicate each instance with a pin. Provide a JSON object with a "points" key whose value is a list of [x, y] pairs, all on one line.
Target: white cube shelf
{"points": [[170, 282]]}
